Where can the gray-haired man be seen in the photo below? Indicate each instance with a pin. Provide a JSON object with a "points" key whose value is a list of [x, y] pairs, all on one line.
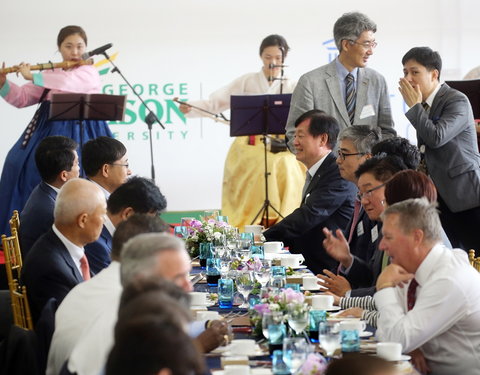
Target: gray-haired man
{"points": [[345, 88]]}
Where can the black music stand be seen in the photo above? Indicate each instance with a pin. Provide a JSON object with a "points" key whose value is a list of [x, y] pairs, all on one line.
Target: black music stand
{"points": [[83, 107], [260, 115]]}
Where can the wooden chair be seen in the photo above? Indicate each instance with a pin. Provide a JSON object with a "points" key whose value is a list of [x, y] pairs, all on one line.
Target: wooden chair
{"points": [[13, 257], [22, 316], [15, 221], [474, 261]]}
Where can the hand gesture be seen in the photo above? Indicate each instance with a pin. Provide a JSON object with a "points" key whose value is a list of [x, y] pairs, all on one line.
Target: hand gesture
{"points": [[183, 107], [352, 312], [393, 275], [419, 361], [337, 247], [24, 70], [335, 284], [411, 95]]}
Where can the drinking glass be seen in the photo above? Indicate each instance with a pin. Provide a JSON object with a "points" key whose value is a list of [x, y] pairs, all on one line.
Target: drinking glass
{"points": [[225, 293], [213, 271], [329, 337], [206, 252], [223, 219], [263, 274], [181, 231], [257, 251], [271, 319], [316, 317], [298, 317], [245, 283], [295, 352]]}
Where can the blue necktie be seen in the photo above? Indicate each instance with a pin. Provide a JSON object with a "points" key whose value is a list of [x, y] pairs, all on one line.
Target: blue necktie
{"points": [[350, 97]]}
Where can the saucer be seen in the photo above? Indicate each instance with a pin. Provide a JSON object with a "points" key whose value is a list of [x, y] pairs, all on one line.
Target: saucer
{"points": [[366, 334], [300, 267], [319, 287], [257, 353], [405, 357]]}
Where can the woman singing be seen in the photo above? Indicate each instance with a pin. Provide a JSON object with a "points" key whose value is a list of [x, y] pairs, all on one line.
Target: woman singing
{"points": [[19, 175], [243, 179]]}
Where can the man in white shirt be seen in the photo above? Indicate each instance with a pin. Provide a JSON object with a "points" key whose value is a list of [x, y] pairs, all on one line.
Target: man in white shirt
{"points": [[57, 262], [439, 311]]}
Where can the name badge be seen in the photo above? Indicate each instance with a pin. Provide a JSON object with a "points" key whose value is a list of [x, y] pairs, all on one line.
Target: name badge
{"points": [[374, 233], [367, 111], [360, 230]]}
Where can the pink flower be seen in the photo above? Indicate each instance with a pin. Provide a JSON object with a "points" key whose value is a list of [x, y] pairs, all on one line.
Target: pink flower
{"points": [[196, 224], [262, 308], [315, 364], [290, 296]]}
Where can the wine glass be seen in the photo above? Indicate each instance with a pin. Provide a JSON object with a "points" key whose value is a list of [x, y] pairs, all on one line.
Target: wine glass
{"points": [[263, 274], [270, 319], [329, 337], [245, 283], [295, 352], [298, 317]]}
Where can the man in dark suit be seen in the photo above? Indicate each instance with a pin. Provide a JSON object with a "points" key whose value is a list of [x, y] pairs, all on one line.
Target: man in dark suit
{"points": [[137, 195], [57, 162], [56, 262], [327, 198], [446, 137]]}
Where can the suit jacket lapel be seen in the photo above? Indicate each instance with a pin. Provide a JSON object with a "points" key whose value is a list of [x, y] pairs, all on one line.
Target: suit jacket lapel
{"points": [[315, 180], [362, 89], [334, 89], [67, 257], [437, 100]]}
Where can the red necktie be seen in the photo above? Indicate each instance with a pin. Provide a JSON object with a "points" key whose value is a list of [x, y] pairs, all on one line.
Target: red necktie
{"points": [[356, 214], [412, 289], [85, 268]]}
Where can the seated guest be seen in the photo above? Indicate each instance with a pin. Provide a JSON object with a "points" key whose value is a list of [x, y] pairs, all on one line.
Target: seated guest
{"points": [[439, 310], [447, 139], [56, 262], [327, 198], [105, 162], [82, 305], [137, 195], [400, 147], [372, 178], [354, 148], [57, 162], [361, 364]]}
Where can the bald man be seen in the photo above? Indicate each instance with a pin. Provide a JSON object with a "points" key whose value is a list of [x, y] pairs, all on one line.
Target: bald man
{"points": [[57, 262]]}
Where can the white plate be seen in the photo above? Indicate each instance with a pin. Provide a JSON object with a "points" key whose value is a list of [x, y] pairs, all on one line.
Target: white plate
{"points": [[405, 357], [319, 287], [300, 267], [366, 334]]}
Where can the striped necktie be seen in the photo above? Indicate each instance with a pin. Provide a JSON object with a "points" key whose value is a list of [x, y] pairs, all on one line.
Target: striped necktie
{"points": [[411, 294], [350, 96]]}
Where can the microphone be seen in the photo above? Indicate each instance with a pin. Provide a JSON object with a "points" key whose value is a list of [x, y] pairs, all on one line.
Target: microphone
{"points": [[271, 66], [96, 51]]}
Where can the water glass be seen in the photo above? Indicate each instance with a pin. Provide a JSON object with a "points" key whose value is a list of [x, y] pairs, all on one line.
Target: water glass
{"points": [[206, 251], [225, 293], [181, 231], [350, 340], [329, 337], [298, 317], [279, 367], [316, 317], [247, 237], [213, 271], [222, 219], [273, 318], [263, 274], [257, 251], [295, 287], [245, 283], [278, 282], [279, 271], [295, 352]]}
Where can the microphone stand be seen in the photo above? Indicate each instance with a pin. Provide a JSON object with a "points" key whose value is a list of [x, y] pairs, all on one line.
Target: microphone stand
{"points": [[150, 118]]}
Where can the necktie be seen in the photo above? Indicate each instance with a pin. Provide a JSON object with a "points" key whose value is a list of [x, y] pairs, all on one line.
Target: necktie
{"points": [[308, 178], [412, 289], [350, 96], [85, 268], [425, 106], [356, 215]]}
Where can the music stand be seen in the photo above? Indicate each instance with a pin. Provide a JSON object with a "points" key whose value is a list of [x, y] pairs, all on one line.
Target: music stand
{"points": [[260, 115], [83, 107]]}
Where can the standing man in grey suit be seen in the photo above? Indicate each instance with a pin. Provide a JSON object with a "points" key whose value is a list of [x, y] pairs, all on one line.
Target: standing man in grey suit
{"points": [[345, 88], [447, 140]]}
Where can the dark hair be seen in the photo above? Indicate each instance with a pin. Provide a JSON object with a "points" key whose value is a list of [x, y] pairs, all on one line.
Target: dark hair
{"points": [[350, 26], [275, 40], [321, 123], [70, 30], [53, 155], [139, 193], [148, 343], [382, 167], [100, 151], [409, 184], [359, 364], [425, 56], [400, 147], [134, 225]]}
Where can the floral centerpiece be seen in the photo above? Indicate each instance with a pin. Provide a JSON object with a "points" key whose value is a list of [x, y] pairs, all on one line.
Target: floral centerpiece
{"points": [[315, 364], [206, 231], [251, 264]]}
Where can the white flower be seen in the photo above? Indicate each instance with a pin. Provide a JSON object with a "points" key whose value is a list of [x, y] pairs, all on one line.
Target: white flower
{"points": [[217, 235], [274, 307]]}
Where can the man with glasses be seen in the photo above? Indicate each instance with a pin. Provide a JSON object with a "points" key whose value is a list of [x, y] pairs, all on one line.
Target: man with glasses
{"points": [[345, 88], [105, 163]]}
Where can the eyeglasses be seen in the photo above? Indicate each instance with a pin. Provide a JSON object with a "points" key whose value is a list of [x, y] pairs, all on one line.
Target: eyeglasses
{"points": [[343, 155], [369, 192], [366, 45], [120, 165]]}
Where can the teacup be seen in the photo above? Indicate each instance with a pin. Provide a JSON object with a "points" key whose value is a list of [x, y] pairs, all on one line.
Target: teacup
{"points": [[391, 351], [198, 298], [255, 229], [322, 302], [310, 282], [292, 260], [208, 315], [353, 325], [273, 247], [242, 347], [236, 370]]}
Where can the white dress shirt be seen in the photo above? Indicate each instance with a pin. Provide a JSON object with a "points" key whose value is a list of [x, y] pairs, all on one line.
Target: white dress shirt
{"points": [[445, 321], [80, 309], [75, 251]]}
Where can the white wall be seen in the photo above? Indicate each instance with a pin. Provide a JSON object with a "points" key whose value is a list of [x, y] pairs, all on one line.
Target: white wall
{"points": [[204, 45]]}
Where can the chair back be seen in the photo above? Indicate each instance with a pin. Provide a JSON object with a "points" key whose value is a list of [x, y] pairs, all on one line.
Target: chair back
{"points": [[22, 316], [15, 221], [474, 261], [13, 257]]}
